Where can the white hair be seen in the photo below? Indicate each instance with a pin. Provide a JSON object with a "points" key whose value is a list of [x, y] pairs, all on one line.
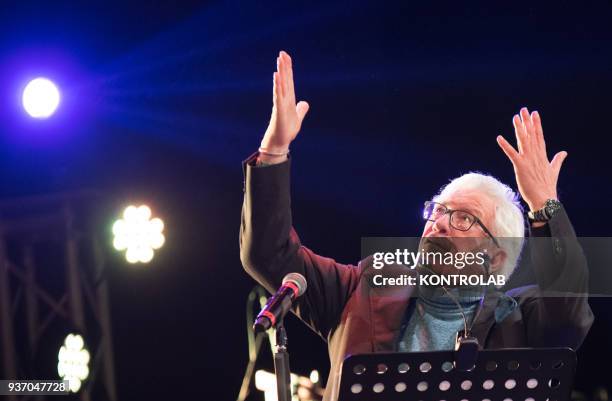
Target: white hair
{"points": [[509, 223]]}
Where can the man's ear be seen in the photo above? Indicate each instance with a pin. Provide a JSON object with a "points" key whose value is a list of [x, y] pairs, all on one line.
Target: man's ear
{"points": [[497, 259]]}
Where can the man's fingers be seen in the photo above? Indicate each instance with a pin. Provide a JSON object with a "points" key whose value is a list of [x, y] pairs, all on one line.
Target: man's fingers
{"points": [[508, 149], [288, 75], [526, 119], [537, 123], [528, 124], [282, 74], [291, 82], [539, 132], [275, 88], [557, 161], [521, 135], [282, 71]]}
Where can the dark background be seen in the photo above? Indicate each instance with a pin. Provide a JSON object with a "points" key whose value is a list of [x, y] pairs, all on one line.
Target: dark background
{"points": [[162, 101]]}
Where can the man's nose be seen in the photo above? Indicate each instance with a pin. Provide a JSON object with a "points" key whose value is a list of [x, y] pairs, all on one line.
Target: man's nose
{"points": [[442, 224]]}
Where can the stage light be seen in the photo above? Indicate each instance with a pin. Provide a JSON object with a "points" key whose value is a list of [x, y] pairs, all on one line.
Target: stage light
{"points": [[40, 98], [73, 361], [266, 382], [138, 235]]}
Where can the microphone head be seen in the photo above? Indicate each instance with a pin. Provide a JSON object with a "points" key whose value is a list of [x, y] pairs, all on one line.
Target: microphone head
{"points": [[298, 280]]}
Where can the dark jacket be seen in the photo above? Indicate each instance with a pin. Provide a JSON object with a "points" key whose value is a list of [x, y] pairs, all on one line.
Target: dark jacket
{"points": [[355, 317]]}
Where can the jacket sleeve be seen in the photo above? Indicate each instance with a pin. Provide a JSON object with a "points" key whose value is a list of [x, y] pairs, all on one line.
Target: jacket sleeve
{"points": [[559, 315], [270, 248]]}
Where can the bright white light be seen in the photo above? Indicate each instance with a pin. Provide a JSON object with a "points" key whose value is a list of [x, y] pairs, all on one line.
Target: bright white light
{"points": [[138, 235], [40, 98], [266, 382], [73, 361]]}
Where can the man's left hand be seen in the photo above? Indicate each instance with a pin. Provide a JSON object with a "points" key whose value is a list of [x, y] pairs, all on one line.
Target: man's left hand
{"points": [[536, 177]]}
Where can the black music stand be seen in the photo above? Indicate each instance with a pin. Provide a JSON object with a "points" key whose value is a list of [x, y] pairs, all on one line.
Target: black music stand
{"points": [[511, 374]]}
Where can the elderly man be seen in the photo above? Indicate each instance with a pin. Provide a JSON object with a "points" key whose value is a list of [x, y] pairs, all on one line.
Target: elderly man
{"points": [[473, 212]]}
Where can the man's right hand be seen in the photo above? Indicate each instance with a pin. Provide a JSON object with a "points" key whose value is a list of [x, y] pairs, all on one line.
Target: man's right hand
{"points": [[287, 116]]}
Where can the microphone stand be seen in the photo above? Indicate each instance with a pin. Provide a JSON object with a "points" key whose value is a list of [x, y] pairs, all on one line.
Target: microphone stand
{"points": [[281, 364]]}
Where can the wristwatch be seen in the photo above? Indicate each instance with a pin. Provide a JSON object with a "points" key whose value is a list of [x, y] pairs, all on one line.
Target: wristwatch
{"points": [[551, 207]]}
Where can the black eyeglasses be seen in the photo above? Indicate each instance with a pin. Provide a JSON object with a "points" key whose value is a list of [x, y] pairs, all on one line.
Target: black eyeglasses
{"points": [[459, 219]]}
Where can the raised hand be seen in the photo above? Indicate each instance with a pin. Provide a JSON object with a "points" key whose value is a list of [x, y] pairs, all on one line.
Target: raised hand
{"points": [[536, 176], [287, 116]]}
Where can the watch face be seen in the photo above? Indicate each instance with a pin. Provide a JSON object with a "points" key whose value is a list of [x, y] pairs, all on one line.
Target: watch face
{"points": [[552, 206], [548, 211]]}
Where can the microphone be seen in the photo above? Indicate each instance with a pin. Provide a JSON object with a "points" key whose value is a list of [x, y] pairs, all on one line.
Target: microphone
{"points": [[465, 334], [466, 346], [294, 285]]}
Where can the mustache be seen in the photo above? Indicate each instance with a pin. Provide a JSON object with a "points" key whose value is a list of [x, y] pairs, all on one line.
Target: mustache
{"points": [[442, 244]]}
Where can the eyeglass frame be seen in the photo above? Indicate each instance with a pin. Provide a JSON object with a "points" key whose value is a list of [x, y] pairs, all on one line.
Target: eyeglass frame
{"points": [[450, 212]]}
